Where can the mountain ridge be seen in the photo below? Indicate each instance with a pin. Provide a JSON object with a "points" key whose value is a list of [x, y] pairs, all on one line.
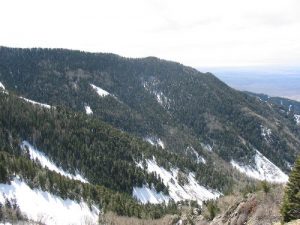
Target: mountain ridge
{"points": [[195, 125], [145, 105]]}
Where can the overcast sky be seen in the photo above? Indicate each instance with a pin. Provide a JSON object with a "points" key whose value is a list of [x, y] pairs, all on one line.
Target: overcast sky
{"points": [[194, 32]]}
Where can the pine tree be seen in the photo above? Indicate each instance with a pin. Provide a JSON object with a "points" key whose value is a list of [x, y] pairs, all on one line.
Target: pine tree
{"points": [[3, 174], [1, 212], [265, 186], [290, 209]]}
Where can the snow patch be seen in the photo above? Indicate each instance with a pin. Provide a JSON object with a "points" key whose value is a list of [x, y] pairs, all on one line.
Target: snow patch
{"points": [[2, 86], [35, 154], [88, 110], [290, 166], [266, 133], [297, 119], [145, 194], [100, 91], [36, 103], [179, 222], [159, 95], [160, 143], [155, 141], [162, 99], [263, 169], [191, 151], [2, 89], [50, 209], [189, 191], [206, 147]]}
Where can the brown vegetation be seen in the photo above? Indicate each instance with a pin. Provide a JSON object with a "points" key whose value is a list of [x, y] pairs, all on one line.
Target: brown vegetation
{"points": [[112, 219], [259, 208]]}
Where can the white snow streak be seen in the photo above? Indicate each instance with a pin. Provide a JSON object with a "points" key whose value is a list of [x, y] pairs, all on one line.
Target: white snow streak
{"points": [[162, 99], [35, 154], [191, 150], [155, 141], [263, 169], [2, 89], [189, 191], [100, 91], [145, 194], [47, 208], [179, 222], [36, 103], [297, 119], [266, 133], [160, 143], [2, 86], [206, 147], [88, 110], [159, 95]]}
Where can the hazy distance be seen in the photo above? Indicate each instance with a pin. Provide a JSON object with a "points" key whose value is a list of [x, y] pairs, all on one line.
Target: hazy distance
{"points": [[281, 81]]}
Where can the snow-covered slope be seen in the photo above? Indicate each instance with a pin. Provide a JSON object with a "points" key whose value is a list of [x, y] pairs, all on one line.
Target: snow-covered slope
{"points": [[189, 191], [99, 91], [35, 154], [88, 110], [145, 194], [263, 169], [297, 119], [36, 103], [47, 208]]}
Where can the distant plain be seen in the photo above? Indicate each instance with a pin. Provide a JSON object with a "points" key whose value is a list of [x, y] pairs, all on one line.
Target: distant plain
{"points": [[276, 82]]}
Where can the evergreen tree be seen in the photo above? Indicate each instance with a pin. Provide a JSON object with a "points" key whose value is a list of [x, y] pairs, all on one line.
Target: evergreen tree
{"points": [[1, 213], [212, 209], [290, 209], [265, 186], [3, 174]]}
